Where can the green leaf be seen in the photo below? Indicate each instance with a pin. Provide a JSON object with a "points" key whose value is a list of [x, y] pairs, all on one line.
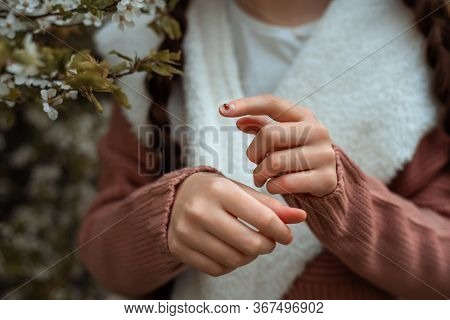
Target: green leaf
{"points": [[120, 97], [163, 69], [93, 99], [171, 27], [120, 67], [165, 56]]}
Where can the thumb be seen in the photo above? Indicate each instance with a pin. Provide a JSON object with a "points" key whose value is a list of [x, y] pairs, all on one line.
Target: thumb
{"points": [[290, 215]]}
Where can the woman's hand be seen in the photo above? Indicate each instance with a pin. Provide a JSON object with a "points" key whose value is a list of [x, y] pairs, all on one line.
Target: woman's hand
{"points": [[294, 152], [204, 231]]}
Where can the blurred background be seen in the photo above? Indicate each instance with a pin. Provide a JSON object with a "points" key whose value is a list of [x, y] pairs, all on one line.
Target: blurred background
{"points": [[53, 87], [48, 171]]}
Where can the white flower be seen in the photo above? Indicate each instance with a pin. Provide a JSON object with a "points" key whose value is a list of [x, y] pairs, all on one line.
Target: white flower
{"points": [[10, 25], [10, 103], [122, 21], [72, 94], [130, 8], [126, 10], [50, 99], [62, 85], [22, 71], [27, 6], [45, 23], [90, 19], [51, 112], [22, 79], [161, 4], [30, 47], [41, 83]]}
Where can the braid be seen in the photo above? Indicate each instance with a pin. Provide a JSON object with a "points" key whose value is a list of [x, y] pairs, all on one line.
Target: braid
{"points": [[159, 88], [436, 29]]}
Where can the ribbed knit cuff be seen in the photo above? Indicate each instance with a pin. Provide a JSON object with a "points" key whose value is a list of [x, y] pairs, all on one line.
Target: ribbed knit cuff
{"points": [[326, 215], [171, 182], [138, 240]]}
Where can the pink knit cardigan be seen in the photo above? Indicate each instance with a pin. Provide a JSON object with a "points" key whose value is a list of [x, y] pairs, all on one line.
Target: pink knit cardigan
{"points": [[381, 242]]}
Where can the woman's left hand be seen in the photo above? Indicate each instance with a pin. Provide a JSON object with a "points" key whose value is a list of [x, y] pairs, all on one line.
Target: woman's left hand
{"points": [[292, 149]]}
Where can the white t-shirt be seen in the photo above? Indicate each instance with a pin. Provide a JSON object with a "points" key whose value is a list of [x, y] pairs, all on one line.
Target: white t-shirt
{"points": [[264, 51]]}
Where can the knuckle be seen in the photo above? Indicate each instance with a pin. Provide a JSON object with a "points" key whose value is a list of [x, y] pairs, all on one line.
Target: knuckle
{"points": [[182, 231], [274, 161], [272, 187], [193, 211], [267, 221], [284, 184], [268, 246], [322, 132], [329, 181], [272, 202], [329, 155], [266, 131], [252, 245], [247, 259], [218, 186], [270, 98], [272, 246], [307, 112], [236, 260]]}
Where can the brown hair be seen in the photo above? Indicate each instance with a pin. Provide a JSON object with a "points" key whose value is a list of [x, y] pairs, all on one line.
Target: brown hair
{"points": [[433, 17], [436, 29], [159, 88]]}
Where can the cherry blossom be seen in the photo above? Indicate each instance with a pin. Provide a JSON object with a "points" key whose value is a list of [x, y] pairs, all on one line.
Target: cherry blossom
{"points": [[50, 99]]}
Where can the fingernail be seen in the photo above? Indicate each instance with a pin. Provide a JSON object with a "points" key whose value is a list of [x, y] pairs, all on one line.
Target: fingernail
{"points": [[227, 107]]}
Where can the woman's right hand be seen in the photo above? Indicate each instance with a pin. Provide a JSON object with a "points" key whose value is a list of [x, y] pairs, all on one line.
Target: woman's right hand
{"points": [[204, 231]]}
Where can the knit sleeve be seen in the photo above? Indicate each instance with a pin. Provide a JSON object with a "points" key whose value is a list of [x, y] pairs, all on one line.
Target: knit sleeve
{"points": [[123, 237], [396, 236]]}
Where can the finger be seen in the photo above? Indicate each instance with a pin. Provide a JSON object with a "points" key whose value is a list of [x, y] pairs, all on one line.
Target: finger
{"points": [[278, 109], [258, 215], [252, 124], [312, 182], [216, 249], [290, 161], [236, 234], [279, 136], [291, 215], [287, 214], [201, 262]]}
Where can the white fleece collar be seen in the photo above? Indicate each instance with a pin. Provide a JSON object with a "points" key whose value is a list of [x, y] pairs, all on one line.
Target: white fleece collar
{"points": [[377, 112]]}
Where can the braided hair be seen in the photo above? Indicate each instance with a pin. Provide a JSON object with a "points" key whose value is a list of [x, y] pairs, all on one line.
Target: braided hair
{"points": [[436, 29]]}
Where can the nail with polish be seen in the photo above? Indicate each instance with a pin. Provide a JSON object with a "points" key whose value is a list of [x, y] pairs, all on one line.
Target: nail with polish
{"points": [[228, 107]]}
